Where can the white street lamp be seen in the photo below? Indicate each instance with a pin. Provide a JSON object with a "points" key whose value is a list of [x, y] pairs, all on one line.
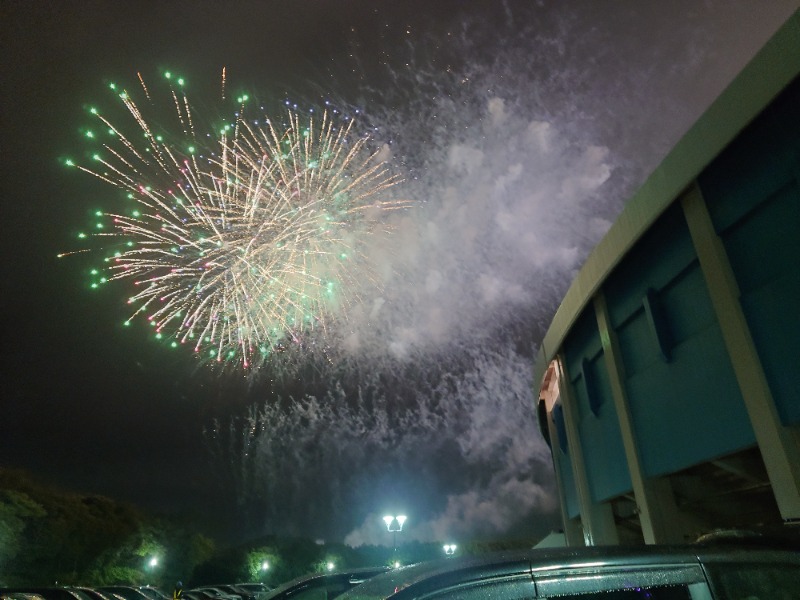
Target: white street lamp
{"points": [[449, 549], [394, 524], [265, 566], [153, 562], [330, 566]]}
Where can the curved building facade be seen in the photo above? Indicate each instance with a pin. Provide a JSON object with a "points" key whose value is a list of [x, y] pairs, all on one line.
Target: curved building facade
{"points": [[670, 375]]}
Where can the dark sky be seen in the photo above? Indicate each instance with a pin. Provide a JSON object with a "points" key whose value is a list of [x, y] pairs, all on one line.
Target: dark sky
{"points": [[520, 128]]}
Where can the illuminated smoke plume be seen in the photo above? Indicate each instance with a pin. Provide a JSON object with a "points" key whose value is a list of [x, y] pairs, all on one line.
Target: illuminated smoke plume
{"points": [[518, 140], [320, 463]]}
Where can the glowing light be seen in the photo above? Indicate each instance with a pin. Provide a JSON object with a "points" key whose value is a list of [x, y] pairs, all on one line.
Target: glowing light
{"points": [[395, 523]]}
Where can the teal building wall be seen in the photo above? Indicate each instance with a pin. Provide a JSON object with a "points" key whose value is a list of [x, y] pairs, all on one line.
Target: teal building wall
{"points": [[685, 397]]}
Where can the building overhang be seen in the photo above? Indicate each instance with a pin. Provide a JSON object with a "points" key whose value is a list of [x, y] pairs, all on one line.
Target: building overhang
{"points": [[773, 68]]}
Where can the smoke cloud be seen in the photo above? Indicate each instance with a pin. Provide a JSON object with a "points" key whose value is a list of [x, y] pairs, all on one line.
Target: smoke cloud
{"points": [[458, 453], [518, 142]]}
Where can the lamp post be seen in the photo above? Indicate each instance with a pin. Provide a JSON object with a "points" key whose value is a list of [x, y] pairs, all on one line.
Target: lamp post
{"points": [[394, 524], [449, 549], [152, 565], [264, 569]]}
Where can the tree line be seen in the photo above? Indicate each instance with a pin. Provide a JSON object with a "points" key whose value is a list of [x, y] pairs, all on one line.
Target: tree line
{"points": [[49, 536]]}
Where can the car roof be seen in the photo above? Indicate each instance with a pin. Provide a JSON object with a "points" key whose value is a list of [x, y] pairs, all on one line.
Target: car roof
{"points": [[126, 591], [350, 574], [47, 592], [423, 577]]}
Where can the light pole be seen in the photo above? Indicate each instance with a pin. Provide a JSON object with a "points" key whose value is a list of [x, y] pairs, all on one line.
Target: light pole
{"points": [[152, 565], [264, 569], [449, 549], [394, 524]]}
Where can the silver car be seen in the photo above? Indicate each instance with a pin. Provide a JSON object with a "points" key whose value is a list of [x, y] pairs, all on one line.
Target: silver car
{"points": [[598, 573]]}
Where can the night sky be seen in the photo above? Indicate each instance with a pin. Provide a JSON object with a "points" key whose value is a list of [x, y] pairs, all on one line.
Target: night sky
{"points": [[519, 129]]}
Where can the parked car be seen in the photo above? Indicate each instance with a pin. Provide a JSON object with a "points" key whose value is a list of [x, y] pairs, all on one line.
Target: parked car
{"points": [[233, 590], [256, 589], [154, 593], [205, 593], [213, 591], [323, 586], [48, 593], [93, 594], [691, 572], [128, 592]]}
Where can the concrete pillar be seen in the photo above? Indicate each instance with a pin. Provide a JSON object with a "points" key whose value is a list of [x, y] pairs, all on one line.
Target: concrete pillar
{"points": [[658, 513], [572, 528], [778, 443], [597, 519]]}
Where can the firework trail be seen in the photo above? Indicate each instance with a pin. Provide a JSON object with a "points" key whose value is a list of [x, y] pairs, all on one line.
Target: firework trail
{"points": [[280, 454], [242, 241]]}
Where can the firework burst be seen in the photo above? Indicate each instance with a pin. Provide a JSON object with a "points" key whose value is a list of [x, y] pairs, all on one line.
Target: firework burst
{"points": [[241, 240]]}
